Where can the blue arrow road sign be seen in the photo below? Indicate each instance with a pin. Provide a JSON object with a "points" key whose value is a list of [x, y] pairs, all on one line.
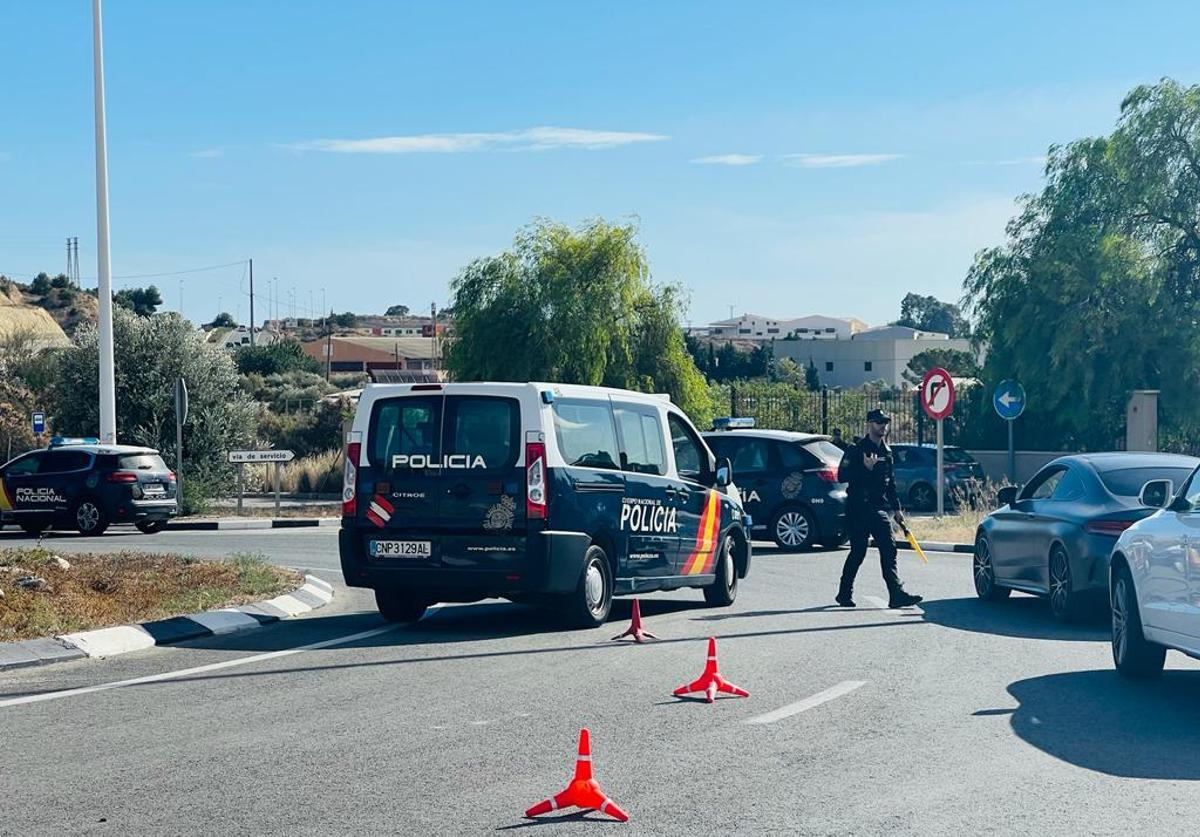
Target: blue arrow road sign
{"points": [[39, 423], [1009, 400]]}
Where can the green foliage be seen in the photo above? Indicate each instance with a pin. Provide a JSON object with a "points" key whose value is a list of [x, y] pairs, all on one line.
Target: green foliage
{"points": [[927, 313], [276, 359], [151, 354], [730, 363], [142, 301], [41, 284], [60, 281], [812, 380], [306, 432], [223, 320], [573, 306], [396, 311], [1096, 292], [345, 320], [958, 363]]}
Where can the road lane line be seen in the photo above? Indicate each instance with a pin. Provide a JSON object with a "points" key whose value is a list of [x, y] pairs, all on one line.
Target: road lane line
{"points": [[187, 672], [843, 688], [875, 602]]}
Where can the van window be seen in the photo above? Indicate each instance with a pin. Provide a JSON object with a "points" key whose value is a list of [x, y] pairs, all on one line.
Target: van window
{"points": [[586, 435], [406, 427], [642, 449], [486, 427], [691, 458]]}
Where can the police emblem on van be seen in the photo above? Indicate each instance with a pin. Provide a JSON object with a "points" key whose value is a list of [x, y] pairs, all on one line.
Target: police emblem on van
{"points": [[650, 516], [456, 461], [500, 516]]}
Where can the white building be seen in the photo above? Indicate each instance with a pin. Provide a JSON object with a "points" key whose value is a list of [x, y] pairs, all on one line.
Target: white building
{"points": [[877, 354], [759, 327]]}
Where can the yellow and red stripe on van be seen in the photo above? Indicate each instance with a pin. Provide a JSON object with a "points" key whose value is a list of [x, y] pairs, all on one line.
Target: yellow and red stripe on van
{"points": [[704, 552], [6, 503]]}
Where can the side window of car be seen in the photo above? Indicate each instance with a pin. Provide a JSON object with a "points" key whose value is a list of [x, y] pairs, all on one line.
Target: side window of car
{"points": [[793, 456], [691, 458], [586, 435], [751, 456], [1192, 493], [1043, 485], [25, 466], [64, 461], [642, 450], [1070, 487]]}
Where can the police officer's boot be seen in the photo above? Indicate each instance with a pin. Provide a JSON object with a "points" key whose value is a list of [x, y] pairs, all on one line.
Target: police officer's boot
{"points": [[843, 596], [899, 598]]}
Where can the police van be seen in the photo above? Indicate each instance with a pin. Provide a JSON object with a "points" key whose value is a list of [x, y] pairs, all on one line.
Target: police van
{"points": [[558, 494]]}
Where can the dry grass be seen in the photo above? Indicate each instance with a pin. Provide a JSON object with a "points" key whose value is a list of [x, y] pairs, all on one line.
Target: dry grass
{"points": [[959, 527], [102, 590], [316, 474]]}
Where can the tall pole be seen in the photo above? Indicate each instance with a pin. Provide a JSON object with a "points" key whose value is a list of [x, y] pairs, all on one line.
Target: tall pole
{"points": [[108, 382], [252, 303], [941, 485], [1012, 455], [433, 348], [328, 349]]}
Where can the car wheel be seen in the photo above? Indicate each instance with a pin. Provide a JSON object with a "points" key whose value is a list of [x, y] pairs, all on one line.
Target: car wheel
{"points": [[922, 496], [1133, 655], [794, 529], [89, 517], [151, 527], [1064, 603], [589, 605], [985, 573], [402, 606], [723, 591]]}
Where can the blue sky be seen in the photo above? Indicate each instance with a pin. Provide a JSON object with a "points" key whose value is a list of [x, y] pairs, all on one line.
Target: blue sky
{"points": [[785, 158]]}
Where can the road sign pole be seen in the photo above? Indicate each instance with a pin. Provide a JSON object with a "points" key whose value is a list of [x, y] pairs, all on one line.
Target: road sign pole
{"points": [[241, 472], [278, 465], [1012, 455], [941, 487]]}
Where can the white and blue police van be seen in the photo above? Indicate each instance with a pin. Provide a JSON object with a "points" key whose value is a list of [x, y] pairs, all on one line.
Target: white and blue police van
{"points": [[552, 493]]}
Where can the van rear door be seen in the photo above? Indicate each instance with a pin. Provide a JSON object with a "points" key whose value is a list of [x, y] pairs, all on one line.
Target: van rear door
{"points": [[481, 511], [401, 491]]}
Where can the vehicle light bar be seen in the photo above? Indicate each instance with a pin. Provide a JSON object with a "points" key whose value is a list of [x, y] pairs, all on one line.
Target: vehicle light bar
{"points": [[61, 441], [732, 423]]}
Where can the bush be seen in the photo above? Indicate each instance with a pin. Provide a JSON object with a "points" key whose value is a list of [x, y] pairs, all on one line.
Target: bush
{"points": [[275, 359], [320, 473], [305, 433]]}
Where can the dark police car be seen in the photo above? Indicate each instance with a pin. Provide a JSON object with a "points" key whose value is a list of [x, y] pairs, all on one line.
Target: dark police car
{"points": [[788, 482], [83, 485], [563, 495]]}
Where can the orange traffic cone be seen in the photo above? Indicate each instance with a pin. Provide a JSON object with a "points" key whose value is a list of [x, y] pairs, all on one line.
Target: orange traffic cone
{"points": [[711, 681], [635, 626], [584, 791]]}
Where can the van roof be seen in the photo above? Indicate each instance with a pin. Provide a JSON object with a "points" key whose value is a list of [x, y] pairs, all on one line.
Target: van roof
{"points": [[560, 390]]}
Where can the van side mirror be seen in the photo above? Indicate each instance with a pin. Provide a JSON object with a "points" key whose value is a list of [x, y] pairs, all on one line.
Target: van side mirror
{"points": [[724, 472], [1008, 495], [1156, 494]]}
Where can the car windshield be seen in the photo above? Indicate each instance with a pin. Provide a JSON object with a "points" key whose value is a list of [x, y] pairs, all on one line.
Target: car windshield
{"points": [[958, 455], [142, 462], [1128, 482], [825, 450]]}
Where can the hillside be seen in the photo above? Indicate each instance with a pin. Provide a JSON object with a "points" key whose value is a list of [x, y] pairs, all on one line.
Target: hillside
{"points": [[19, 319], [66, 307]]}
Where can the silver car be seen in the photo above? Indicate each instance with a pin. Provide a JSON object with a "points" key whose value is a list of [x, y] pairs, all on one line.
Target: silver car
{"points": [[1154, 582]]}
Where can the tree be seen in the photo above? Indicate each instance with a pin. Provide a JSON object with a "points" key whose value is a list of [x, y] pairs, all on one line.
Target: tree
{"points": [[345, 320], [223, 320], [1095, 292], [811, 379], [927, 313], [397, 311], [276, 359], [789, 371], [152, 353], [60, 281], [141, 301], [41, 284], [958, 363], [575, 306]]}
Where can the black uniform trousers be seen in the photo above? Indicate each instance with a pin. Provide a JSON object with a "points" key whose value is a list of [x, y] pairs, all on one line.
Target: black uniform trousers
{"points": [[866, 523]]}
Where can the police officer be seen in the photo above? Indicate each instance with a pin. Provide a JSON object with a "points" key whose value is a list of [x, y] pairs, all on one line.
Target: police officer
{"points": [[871, 501], [837, 440]]}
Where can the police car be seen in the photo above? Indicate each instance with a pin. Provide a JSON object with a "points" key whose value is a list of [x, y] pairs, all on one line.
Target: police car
{"points": [[558, 494], [788, 482], [83, 485]]}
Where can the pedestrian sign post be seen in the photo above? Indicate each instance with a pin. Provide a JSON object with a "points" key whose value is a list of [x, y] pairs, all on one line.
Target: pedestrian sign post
{"points": [[937, 400], [242, 458], [1009, 401], [39, 423]]}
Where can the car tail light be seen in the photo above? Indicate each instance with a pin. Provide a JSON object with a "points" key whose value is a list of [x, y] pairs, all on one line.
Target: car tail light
{"points": [[536, 492], [122, 476], [828, 474], [1107, 527], [350, 476], [171, 476]]}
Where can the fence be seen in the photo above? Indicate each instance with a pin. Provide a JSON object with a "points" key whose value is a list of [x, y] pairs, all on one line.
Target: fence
{"points": [[782, 407]]}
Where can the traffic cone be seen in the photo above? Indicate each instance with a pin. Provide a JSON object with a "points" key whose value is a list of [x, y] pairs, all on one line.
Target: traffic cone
{"points": [[584, 791], [711, 681], [635, 626]]}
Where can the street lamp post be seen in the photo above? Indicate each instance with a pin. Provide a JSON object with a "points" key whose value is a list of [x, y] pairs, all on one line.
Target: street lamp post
{"points": [[108, 386]]}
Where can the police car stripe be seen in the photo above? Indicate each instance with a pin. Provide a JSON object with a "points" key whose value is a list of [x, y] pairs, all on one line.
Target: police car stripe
{"points": [[6, 503], [709, 521]]}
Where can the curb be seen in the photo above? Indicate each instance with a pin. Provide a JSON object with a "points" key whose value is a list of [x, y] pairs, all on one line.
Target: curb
{"points": [[108, 642], [934, 546], [244, 523]]}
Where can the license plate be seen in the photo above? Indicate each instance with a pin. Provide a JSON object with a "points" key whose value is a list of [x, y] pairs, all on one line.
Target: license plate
{"points": [[401, 549], [155, 491]]}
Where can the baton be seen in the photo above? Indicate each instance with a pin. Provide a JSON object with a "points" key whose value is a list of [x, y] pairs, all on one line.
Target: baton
{"points": [[908, 536]]}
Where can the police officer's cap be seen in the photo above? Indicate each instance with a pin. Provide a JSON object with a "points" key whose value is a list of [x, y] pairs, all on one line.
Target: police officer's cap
{"points": [[878, 416]]}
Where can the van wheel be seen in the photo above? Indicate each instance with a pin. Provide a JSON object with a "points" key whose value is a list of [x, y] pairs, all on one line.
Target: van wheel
{"points": [[400, 606], [589, 605], [723, 591], [1134, 655], [89, 517], [793, 529]]}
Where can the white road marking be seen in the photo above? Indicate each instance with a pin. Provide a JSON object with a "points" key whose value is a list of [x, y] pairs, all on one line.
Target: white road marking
{"points": [[843, 688], [875, 602], [187, 672]]}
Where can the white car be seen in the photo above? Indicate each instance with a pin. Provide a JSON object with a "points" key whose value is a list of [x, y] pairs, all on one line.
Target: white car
{"points": [[1154, 581]]}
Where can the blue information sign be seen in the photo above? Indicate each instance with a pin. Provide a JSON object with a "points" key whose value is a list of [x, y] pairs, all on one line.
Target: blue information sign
{"points": [[39, 423], [1009, 400]]}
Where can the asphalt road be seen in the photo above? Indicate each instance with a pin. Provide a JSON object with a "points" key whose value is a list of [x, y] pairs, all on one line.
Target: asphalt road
{"points": [[957, 718]]}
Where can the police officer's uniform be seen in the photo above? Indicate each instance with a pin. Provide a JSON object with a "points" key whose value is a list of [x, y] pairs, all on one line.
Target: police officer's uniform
{"points": [[871, 502]]}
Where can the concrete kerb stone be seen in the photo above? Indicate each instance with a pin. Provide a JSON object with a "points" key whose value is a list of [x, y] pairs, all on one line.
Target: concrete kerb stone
{"points": [[247, 523], [121, 639], [935, 546]]}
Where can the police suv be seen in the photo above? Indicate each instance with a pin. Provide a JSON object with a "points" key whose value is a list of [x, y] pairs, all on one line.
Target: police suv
{"points": [[787, 480], [83, 485], [559, 494]]}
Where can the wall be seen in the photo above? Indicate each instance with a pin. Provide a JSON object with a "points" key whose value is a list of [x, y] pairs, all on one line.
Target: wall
{"points": [[1029, 462], [888, 358]]}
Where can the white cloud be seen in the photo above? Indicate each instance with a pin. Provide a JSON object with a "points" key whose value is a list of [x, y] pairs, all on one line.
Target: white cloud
{"points": [[838, 161], [729, 160], [530, 139], [207, 153]]}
